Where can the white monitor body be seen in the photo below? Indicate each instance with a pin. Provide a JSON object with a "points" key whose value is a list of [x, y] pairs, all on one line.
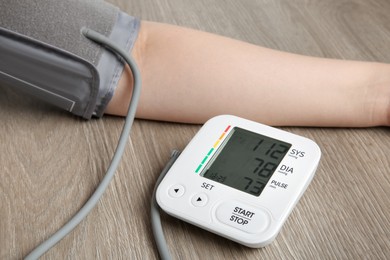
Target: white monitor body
{"points": [[239, 179]]}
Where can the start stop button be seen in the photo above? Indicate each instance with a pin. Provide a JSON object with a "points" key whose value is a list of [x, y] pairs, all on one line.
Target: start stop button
{"points": [[241, 216]]}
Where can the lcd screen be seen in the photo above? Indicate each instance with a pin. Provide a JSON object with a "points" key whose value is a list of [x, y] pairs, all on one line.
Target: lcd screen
{"points": [[246, 161]]}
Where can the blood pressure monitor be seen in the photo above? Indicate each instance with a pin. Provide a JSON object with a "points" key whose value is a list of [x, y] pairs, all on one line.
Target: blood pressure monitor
{"points": [[239, 179]]}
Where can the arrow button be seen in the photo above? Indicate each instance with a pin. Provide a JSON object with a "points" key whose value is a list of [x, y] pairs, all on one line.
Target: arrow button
{"points": [[199, 200], [176, 191]]}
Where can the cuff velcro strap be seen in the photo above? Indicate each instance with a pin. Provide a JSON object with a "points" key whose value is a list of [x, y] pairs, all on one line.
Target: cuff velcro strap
{"points": [[49, 73]]}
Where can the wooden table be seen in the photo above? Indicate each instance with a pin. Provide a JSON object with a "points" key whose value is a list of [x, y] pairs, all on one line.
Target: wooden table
{"points": [[51, 162]]}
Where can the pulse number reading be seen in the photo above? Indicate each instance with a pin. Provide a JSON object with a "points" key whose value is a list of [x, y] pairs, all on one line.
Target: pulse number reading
{"points": [[246, 161]]}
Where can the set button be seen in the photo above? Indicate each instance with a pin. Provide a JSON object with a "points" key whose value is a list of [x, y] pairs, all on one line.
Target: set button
{"points": [[199, 200]]}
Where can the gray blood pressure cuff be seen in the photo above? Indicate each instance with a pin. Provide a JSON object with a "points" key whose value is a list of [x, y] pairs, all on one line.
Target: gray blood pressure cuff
{"points": [[43, 53]]}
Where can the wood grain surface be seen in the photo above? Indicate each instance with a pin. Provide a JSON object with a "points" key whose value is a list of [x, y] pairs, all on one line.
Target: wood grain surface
{"points": [[51, 162]]}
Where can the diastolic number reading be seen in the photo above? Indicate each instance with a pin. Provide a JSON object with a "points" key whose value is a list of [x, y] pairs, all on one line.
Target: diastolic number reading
{"points": [[246, 161]]}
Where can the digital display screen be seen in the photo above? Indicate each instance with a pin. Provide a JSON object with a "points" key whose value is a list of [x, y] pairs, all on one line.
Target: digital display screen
{"points": [[246, 161]]}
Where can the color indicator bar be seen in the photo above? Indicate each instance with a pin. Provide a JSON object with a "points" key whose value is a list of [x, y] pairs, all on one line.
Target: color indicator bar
{"points": [[212, 149]]}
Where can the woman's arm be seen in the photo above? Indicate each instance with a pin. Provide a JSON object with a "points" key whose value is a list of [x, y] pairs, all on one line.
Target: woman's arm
{"points": [[190, 76]]}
